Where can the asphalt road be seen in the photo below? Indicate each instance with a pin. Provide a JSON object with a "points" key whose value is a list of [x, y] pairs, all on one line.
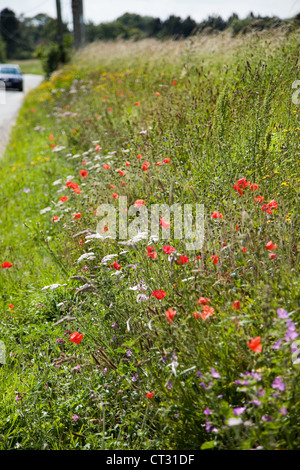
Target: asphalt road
{"points": [[10, 103]]}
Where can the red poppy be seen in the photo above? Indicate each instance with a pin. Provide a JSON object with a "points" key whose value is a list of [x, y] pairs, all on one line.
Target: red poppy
{"points": [[115, 195], [6, 264], [123, 183], [97, 148], [157, 93], [83, 173], [151, 253], [244, 249], [76, 337], [109, 109], [150, 395], [207, 312], [168, 249], [63, 198], [198, 257], [217, 215], [51, 136], [145, 166], [174, 82], [122, 172], [164, 223], [71, 184], [270, 245], [55, 218], [137, 103], [166, 160], [77, 191], [158, 163], [159, 294], [76, 216], [127, 163], [106, 167], [259, 199], [139, 203], [11, 306], [183, 259], [237, 305], [203, 301], [215, 259], [139, 156], [116, 266], [272, 255], [170, 314], [253, 186], [197, 315], [255, 345]]}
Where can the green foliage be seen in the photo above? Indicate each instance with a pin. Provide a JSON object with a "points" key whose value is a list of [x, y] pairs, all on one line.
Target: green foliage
{"points": [[218, 118]]}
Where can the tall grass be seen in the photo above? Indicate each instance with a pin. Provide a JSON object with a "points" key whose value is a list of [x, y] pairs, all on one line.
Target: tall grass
{"points": [[218, 111]]}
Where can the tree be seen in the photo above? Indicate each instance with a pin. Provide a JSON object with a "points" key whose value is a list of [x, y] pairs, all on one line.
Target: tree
{"points": [[10, 30]]}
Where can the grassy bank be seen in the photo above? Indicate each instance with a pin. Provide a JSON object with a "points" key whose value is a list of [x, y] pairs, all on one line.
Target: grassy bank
{"points": [[210, 363]]}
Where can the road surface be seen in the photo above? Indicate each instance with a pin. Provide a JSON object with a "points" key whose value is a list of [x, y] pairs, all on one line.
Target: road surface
{"points": [[10, 103]]}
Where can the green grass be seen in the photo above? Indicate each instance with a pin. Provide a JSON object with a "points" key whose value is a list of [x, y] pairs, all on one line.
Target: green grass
{"points": [[220, 111], [32, 66]]}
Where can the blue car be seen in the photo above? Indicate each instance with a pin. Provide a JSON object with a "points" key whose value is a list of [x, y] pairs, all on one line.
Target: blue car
{"points": [[12, 76]]}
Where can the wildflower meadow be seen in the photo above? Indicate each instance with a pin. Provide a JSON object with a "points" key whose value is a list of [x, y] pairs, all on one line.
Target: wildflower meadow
{"points": [[118, 334]]}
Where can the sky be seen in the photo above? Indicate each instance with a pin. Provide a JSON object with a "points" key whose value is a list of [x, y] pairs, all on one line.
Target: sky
{"points": [[100, 11]]}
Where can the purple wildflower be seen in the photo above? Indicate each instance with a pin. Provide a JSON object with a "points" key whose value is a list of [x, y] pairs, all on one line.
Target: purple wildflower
{"points": [[207, 411], [277, 344], [279, 384], [240, 410], [215, 374], [283, 411], [282, 313], [75, 418]]}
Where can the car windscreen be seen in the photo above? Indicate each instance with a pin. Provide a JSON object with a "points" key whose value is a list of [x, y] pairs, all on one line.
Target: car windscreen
{"points": [[10, 70]]}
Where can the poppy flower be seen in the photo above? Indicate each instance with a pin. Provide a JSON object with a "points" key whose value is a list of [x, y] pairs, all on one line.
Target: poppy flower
{"points": [[116, 266], [151, 253], [166, 160], [255, 345], [183, 259], [168, 249], [164, 223], [145, 166], [55, 218], [203, 301], [97, 148], [127, 163], [170, 314], [150, 395], [6, 264], [11, 306], [174, 82], [104, 229], [63, 198], [270, 245], [139, 156], [123, 183], [253, 186], [259, 199], [198, 257], [76, 337], [106, 167], [244, 249], [217, 215], [207, 312], [272, 255], [157, 93], [197, 315], [139, 203], [137, 103], [109, 109], [237, 305], [76, 215], [122, 172], [115, 195], [83, 173], [112, 186], [158, 163], [71, 184], [51, 136], [215, 259], [158, 294], [77, 191]]}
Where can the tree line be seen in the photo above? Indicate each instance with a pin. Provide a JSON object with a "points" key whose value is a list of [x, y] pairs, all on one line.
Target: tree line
{"points": [[23, 38]]}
